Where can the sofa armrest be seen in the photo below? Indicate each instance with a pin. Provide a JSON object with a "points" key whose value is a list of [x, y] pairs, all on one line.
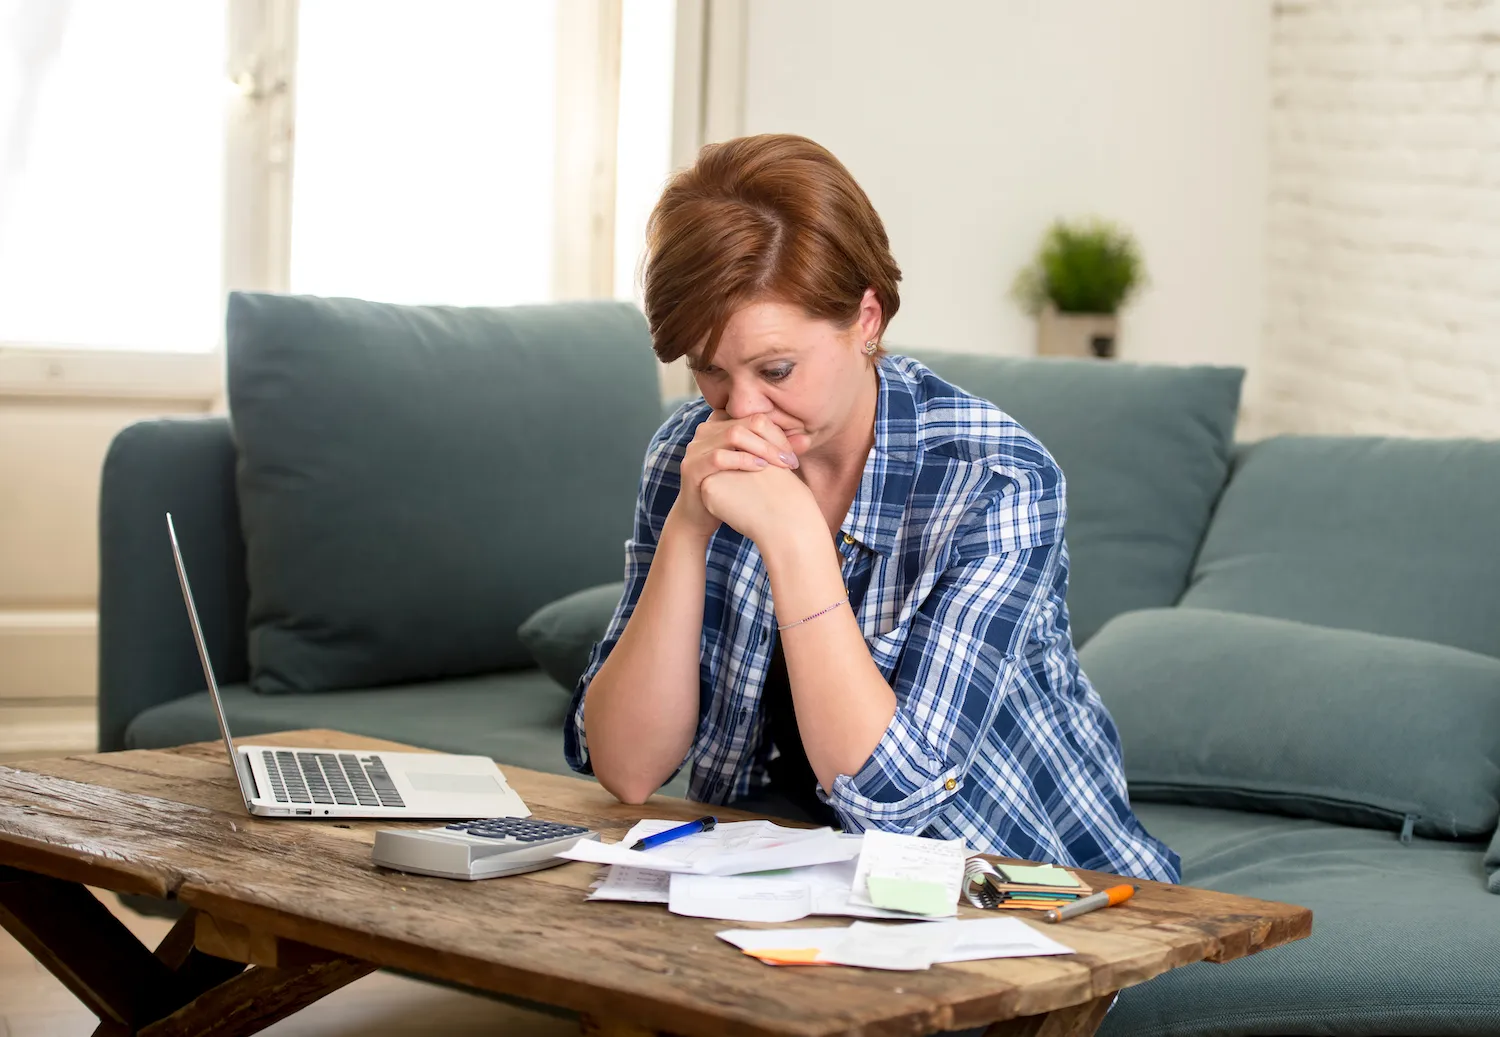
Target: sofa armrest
{"points": [[146, 654]]}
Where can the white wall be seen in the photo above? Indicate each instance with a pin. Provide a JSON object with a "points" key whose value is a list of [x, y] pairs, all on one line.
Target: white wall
{"points": [[973, 123], [1383, 306]]}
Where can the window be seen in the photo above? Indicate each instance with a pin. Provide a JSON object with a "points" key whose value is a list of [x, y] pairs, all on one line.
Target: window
{"points": [[425, 137], [424, 167], [111, 173]]}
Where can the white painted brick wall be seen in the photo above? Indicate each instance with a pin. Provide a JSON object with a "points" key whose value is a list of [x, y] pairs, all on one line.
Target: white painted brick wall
{"points": [[1383, 244]]}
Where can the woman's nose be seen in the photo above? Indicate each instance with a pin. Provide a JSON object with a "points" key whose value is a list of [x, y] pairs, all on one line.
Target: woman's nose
{"points": [[745, 400]]}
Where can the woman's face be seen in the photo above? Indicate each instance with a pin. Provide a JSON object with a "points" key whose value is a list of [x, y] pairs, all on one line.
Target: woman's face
{"points": [[807, 375]]}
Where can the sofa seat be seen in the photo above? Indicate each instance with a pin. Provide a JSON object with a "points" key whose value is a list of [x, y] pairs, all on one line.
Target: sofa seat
{"points": [[514, 718], [1405, 937]]}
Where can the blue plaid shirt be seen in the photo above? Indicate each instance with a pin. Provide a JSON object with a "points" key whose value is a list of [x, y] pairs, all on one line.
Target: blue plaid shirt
{"points": [[954, 557]]}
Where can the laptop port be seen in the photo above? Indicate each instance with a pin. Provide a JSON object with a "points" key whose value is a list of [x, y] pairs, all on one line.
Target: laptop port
{"points": [[304, 813]]}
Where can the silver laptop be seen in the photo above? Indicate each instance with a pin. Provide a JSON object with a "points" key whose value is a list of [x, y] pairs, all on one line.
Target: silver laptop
{"points": [[280, 781]]}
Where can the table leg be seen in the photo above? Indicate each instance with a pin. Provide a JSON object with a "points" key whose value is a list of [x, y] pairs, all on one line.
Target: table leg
{"points": [[177, 991], [1074, 1021]]}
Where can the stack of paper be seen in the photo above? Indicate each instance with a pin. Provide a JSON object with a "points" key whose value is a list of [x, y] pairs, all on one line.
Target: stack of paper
{"points": [[1034, 887], [736, 848], [902, 947], [692, 877]]}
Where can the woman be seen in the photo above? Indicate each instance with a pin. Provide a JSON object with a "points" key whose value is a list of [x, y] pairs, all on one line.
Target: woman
{"points": [[845, 587]]}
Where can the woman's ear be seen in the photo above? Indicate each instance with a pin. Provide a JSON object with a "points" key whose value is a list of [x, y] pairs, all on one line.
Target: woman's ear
{"points": [[870, 315]]}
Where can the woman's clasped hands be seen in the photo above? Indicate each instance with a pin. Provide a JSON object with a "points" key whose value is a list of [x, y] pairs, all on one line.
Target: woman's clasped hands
{"points": [[740, 472]]}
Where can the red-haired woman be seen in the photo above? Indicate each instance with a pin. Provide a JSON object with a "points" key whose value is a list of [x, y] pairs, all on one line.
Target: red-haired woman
{"points": [[845, 589]]}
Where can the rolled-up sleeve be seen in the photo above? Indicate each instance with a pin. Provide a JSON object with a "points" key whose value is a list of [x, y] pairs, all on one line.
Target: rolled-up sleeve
{"points": [[660, 481], [962, 655]]}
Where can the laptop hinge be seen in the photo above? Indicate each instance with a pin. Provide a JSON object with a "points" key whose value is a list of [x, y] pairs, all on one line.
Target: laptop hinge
{"points": [[249, 773]]}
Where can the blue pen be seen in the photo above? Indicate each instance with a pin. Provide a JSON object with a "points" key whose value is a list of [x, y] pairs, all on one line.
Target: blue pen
{"points": [[651, 842]]}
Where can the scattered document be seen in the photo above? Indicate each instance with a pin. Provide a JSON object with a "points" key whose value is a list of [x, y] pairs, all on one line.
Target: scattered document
{"points": [[896, 946], [930, 873], [633, 885], [904, 948], [740, 899], [980, 938], [782, 896], [735, 848]]}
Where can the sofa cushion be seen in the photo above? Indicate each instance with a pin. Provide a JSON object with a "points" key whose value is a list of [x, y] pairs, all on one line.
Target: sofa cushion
{"points": [[1389, 536], [561, 634], [1146, 451], [514, 718], [1403, 937], [414, 481], [1221, 709]]}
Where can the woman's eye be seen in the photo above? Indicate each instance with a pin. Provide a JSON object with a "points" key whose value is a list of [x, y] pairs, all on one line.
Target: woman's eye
{"points": [[777, 374]]}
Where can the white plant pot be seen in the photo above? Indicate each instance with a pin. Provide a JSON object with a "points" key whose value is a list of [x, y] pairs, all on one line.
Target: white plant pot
{"points": [[1088, 335]]}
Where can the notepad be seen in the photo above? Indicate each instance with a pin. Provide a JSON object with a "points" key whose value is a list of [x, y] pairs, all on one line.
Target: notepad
{"points": [[1037, 875], [919, 862]]}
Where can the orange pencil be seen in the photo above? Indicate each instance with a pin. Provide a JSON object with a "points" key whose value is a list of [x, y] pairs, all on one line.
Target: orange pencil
{"points": [[1104, 898]]}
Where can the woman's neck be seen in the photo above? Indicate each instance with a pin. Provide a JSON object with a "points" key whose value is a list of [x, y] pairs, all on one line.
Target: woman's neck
{"points": [[833, 473]]}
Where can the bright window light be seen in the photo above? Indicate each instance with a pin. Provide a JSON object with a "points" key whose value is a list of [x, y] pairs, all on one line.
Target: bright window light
{"points": [[647, 45], [424, 156], [111, 173]]}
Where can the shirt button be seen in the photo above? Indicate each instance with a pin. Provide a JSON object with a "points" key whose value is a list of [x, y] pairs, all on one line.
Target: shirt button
{"points": [[950, 784], [848, 539]]}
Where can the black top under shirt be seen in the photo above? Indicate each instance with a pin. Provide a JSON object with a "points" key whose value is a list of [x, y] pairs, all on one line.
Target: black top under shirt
{"points": [[791, 775]]}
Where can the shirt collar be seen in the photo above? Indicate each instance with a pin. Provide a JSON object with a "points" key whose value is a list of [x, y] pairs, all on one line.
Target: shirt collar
{"points": [[874, 519]]}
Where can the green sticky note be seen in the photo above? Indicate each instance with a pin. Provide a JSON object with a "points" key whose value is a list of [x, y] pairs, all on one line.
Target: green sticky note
{"points": [[910, 895], [1038, 875]]}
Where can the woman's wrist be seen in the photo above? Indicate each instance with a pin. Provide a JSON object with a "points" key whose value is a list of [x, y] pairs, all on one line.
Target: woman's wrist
{"points": [[805, 573], [678, 530]]}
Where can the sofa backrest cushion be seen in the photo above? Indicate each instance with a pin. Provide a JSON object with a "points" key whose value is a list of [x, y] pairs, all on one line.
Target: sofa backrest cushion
{"points": [[1250, 713], [1388, 536], [414, 481], [1145, 449]]}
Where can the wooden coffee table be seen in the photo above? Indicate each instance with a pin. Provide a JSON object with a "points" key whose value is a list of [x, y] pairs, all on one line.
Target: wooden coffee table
{"points": [[302, 905]]}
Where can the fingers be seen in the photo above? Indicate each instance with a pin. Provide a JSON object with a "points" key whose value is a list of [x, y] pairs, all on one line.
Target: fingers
{"points": [[773, 434], [726, 460], [757, 435]]}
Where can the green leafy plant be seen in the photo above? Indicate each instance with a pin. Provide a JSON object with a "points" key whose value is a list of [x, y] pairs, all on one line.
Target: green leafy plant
{"points": [[1090, 266]]}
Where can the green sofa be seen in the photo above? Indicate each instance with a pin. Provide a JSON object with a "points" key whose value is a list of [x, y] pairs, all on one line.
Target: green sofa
{"points": [[1299, 638]]}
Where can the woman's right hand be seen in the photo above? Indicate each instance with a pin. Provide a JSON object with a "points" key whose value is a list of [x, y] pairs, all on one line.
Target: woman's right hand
{"points": [[725, 444]]}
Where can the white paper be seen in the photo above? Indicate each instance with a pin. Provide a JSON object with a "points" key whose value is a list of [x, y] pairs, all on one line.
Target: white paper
{"points": [[633, 885], [972, 939], [783, 896], [981, 938], [752, 899], [736, 848], [910, 857], [783, 939], [904, 948], [833, 892]]}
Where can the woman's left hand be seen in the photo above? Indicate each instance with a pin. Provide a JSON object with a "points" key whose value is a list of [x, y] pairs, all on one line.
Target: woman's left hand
{"points": [[761, 505]]}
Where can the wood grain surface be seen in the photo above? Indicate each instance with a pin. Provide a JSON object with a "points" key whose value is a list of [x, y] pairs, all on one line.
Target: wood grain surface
{"points": [[171, 823]]}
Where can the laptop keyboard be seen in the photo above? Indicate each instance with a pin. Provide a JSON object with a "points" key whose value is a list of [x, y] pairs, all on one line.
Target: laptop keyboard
{"points": [[336, 779]]}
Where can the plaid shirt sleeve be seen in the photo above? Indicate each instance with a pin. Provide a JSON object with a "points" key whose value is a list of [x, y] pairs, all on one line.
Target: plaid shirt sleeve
{"points": [[963, 654], [660, 481]]}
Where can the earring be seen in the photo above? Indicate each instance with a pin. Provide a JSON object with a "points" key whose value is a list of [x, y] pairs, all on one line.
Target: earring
{"points": [[870, 347]]}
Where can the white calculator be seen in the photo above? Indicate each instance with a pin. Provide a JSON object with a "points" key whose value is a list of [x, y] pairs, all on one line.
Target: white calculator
{"points": [[478, 849]]}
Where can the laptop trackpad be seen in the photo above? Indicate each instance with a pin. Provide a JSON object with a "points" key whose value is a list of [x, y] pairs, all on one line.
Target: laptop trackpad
{"points": [[470, 783]]}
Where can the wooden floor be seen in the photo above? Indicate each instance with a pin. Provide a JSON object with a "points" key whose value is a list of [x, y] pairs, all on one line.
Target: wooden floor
{"points": [[33, 1004]]}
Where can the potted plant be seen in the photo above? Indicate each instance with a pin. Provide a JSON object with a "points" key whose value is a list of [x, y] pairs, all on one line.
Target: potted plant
{"points": [[1083, 273]]}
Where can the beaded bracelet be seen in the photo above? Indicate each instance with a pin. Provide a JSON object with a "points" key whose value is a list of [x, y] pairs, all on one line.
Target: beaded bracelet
{"points": [[815, 615]]}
